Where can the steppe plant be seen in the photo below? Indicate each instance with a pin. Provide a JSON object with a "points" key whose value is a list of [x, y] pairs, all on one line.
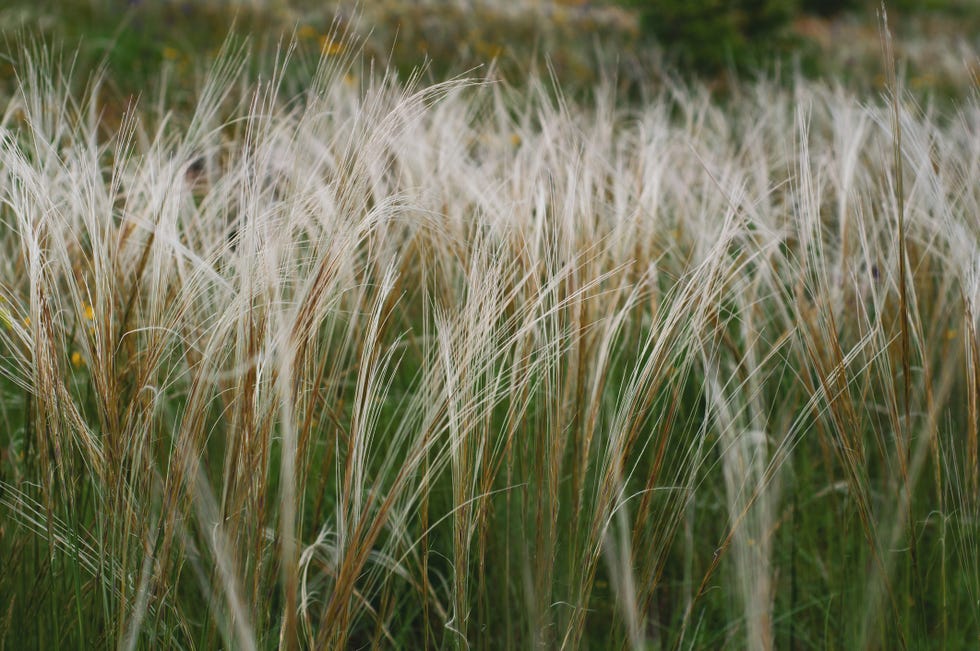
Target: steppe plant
{"points": [[412, 364]]}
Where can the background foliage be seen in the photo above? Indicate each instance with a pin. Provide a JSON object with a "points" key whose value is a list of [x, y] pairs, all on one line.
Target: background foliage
{"points": [[576, 43]]}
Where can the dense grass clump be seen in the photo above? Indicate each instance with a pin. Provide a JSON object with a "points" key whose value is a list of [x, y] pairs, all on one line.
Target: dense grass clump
{"points": [[456, 365]]}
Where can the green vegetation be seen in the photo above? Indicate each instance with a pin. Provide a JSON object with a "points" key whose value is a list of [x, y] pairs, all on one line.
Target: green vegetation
{"points": [[296, 353], [577, 44], [708, 34]]}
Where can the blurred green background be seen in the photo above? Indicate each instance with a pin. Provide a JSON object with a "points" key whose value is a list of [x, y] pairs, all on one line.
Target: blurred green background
{"points": [[577, 42]]}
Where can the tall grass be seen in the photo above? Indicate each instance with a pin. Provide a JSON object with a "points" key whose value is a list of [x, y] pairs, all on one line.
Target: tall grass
{"points": [[394, 364]]}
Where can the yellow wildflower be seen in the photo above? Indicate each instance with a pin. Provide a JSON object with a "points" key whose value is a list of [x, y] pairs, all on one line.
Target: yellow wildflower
{"points": [[306, 32], [329, 46], [76, 360], [170, 53], [88, 311]]}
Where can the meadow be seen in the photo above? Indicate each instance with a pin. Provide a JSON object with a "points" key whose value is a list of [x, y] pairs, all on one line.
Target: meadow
{"points": [[380, 361]]}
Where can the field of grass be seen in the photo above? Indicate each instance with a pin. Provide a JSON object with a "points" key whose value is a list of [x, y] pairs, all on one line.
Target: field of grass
{"points": [[378, 362]]}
